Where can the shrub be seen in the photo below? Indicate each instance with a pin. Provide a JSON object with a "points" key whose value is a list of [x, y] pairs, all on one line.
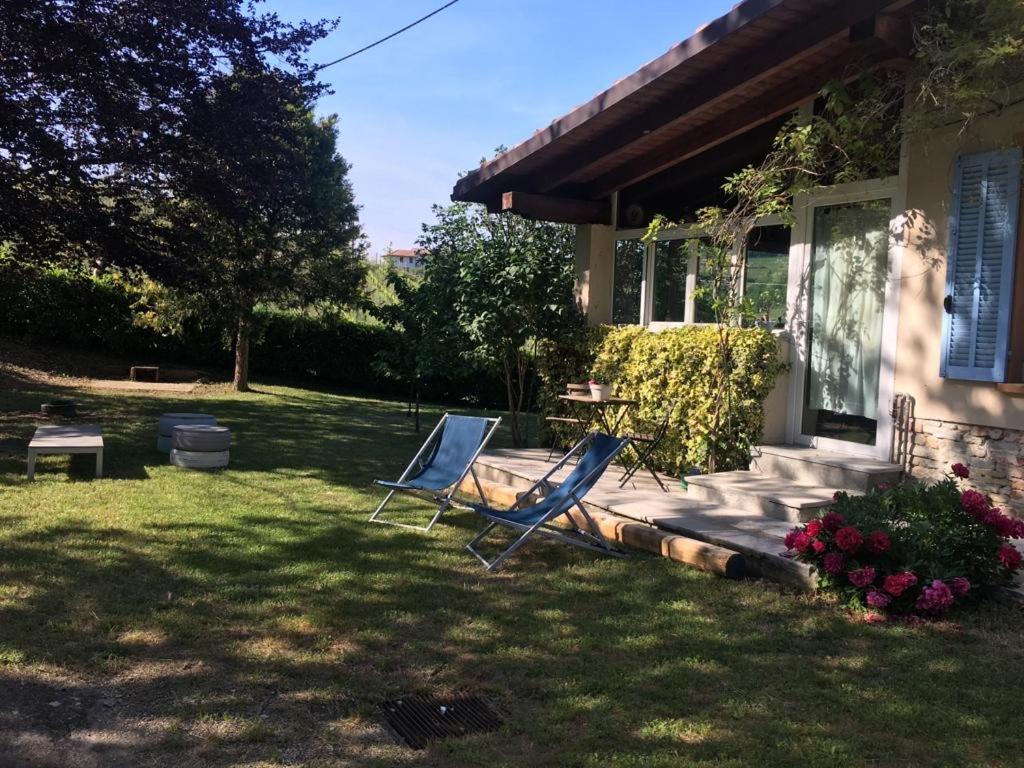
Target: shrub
{"points": [[569, 359], [53, 305], [64, 307], [675, 368], [910, 549]]}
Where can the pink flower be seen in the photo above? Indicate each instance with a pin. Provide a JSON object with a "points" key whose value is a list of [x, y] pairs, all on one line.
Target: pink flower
{"points": [[961, 471], [790, 540], [974, 503], [849, 539], [959, 586], [936, 598], [813, 528], [1009, 557], [832, 521], [877, 542], [818, 546], [872, 617], [1018, 530], [1002, 524], [834, 563], [898, 583], [878, 599], [862, 576], [883, 487]]}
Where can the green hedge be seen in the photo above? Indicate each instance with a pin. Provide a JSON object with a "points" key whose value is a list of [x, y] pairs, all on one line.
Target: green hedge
{"points": [[59, 307], [63, 308], [676, 367]]}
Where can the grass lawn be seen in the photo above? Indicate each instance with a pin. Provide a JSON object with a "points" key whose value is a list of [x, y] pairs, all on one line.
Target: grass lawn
{"points": [[253, 618]]}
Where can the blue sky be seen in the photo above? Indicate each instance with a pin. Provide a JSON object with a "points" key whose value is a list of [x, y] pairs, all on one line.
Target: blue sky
{"points": [[422, 107]]}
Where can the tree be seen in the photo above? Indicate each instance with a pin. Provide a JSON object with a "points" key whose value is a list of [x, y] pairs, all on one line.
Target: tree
{"points": [[263, 211], [503, 283], [95, 98]]}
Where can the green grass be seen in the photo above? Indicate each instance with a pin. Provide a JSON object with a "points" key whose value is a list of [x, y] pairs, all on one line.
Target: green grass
{"points": [[252, 617]]}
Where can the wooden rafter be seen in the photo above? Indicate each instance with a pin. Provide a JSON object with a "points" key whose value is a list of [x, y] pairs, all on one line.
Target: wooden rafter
{"points": [[767, 107], [565, 210], [829, 29]]}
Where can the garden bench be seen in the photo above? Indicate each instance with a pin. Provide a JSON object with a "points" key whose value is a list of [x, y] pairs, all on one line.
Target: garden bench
{"points": [[78, 438], [152, 371]]}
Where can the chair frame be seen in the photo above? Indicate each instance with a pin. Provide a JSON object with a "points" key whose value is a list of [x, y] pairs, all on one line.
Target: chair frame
{"points": [[644, 453], [576, 536], [446, 500]]}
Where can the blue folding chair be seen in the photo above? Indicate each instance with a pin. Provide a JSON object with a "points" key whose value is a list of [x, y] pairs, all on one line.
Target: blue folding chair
{"points": [[600, 450], [440, 466]]}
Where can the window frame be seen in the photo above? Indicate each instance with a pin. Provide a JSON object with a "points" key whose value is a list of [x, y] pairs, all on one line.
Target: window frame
{"points": [[692, 266]]}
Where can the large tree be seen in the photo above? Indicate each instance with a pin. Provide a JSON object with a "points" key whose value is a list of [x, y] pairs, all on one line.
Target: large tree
{"points": [[95, 96], [504, 283], [262, 209]]}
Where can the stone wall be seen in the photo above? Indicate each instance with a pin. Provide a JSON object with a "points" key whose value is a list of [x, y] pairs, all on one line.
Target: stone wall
{"points": [[995, 457]]}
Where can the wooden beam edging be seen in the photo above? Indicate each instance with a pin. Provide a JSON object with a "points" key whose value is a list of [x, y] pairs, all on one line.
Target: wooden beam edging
{"points": [[700, 554]]}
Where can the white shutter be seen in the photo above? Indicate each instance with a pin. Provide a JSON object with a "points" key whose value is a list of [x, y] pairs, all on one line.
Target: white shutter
{"points": [[979, 275]]}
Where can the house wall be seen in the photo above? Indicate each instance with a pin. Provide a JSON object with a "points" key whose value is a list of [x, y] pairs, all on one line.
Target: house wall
{"points": [[971, 422], [929, 195]]}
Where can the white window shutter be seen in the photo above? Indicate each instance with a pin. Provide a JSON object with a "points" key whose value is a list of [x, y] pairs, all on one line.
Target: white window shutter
{"points": [[979, 273]]}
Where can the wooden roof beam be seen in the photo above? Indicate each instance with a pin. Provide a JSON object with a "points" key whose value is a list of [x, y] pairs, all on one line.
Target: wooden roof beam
{"points": [[769, 106], [564, 210], [834, 26]]}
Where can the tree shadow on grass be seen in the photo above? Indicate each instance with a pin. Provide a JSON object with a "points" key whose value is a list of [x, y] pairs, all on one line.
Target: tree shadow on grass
{"points": [[229, 654], [254, 616]]}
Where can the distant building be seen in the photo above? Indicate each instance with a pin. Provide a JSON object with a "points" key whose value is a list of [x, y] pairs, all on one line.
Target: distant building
{"points": [[406, 258]]}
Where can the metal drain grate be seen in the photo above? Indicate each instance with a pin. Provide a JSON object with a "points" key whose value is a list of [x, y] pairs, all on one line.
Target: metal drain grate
{"points": [[418, 720]]}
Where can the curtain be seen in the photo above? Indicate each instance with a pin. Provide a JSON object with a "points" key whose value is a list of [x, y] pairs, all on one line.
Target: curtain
{"points": [[848, 272]]}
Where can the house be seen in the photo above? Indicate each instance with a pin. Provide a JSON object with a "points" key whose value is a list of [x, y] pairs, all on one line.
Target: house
{"points": [[924, 318], [406, 258]]}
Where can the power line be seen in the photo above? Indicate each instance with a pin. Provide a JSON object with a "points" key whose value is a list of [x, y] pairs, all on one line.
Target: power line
{"points": [[385, 39]]}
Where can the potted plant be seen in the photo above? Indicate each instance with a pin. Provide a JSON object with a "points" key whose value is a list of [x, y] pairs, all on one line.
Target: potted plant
{"points": [[600, 391]]}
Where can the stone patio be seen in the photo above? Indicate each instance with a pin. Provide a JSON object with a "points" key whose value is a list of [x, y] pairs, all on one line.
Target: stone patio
{"points": [[754, 534]]}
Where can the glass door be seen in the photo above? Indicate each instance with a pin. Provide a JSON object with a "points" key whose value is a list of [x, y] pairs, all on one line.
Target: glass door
{"points": [[846, 302]]}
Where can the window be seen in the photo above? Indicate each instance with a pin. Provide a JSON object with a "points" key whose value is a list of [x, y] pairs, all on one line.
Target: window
{"points": [[703, 303], [658, 283], [979, 274], [628, 281], [670, 268], [768, 273]]}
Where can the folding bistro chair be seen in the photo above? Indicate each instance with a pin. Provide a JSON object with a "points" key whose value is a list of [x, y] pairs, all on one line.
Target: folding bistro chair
{"points": [[574, 424], [441, 465], [644, 444], [600, 451]]}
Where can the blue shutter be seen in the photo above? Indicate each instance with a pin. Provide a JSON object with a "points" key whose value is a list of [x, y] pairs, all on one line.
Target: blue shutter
{"points": [[979, 275]]}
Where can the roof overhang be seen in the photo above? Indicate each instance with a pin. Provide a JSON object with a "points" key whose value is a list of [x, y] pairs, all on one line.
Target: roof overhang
{"points": [[743, 70]]}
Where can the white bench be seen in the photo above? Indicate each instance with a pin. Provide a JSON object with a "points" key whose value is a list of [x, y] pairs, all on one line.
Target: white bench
{"points": [[77, 438]]}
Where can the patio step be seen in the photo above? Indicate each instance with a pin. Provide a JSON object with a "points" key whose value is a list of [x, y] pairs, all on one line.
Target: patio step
{"points": [[755, 535], [826, 469], [757, 493]]}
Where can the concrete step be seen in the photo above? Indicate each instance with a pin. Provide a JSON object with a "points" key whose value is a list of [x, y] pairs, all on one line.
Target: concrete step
{"points": [[763, 494], [820, 468]]}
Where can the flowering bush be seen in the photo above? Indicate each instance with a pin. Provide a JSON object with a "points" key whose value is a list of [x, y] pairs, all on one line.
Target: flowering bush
{"points": [[910, 549]]}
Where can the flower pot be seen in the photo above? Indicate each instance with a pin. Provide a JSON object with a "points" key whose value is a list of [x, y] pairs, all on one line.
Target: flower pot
{"points": [[600, 391]]}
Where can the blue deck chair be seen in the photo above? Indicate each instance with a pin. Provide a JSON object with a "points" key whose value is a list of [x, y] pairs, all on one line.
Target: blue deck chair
{"points": [[440, 466], [600, 451]]}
